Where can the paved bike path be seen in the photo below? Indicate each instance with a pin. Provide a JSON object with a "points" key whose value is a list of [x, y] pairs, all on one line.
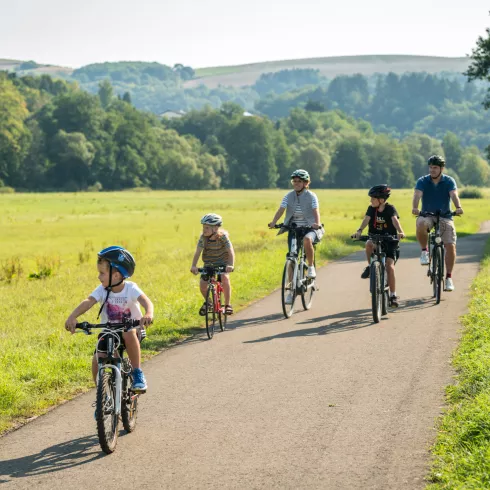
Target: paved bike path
{"points": [[325, 400]]}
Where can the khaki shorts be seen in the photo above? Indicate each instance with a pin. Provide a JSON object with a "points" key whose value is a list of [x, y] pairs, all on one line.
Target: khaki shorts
{"points": [[448, 230]]}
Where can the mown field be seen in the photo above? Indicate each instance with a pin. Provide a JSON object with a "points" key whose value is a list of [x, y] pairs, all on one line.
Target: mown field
{"points": [[54, 239]]}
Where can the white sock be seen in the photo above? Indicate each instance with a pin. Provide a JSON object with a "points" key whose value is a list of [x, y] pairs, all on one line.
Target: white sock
{"points": [[393, 293]]}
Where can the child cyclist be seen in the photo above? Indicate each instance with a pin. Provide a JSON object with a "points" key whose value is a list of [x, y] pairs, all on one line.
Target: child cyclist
{"points": [[217, 251], [382, 219], [120, 299]]}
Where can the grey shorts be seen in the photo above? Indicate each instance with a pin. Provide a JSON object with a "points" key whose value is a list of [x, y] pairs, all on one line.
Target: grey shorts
{"points": [[448, 230]]}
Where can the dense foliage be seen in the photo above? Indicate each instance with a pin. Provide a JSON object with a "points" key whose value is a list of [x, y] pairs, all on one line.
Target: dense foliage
{"points": [[55, 136]]}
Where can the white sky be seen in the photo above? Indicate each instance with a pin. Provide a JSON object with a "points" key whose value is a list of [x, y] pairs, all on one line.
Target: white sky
{"points": [[203, 33]]}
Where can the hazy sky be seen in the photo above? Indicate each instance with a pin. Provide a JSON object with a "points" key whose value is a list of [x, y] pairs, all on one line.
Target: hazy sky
{"points": [[222, 32]]}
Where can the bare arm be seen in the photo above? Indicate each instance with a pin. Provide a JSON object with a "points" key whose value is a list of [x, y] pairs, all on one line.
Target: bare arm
{"points": [[145, 302], [398, 226], [417, 195], [316, 214], [457, 203], [364, 223], [231, 259], [278, 214], [83, 307], [197, 254]]}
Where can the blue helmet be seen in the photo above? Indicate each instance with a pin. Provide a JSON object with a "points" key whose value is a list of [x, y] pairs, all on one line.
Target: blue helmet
{"points": [[120, 259]]}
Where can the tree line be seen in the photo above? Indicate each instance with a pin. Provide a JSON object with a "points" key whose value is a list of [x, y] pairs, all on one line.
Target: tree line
{"points": [[55, 136]]}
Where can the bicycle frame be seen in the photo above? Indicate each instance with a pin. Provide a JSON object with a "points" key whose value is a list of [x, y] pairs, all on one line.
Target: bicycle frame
{"points": [[215, 285], [111, 361], [298, 254]]}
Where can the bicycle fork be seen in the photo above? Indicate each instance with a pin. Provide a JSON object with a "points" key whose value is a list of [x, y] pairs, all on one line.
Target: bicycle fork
{"points": [[118, 383]]}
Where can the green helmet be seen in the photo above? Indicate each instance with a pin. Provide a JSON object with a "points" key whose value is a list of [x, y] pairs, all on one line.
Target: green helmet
{"points": [[301, 174]]}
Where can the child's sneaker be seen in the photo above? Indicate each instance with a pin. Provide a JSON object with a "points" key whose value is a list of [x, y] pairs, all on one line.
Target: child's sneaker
{"points": [[139, 381]]}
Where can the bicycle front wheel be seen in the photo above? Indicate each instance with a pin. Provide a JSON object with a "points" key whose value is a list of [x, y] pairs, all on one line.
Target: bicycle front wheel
{"points": [[129, 406], [288, 290], [307, 290], [438, 272], [107, 420], [386, 295], [376, 291], [210, 313], [221, 312]]}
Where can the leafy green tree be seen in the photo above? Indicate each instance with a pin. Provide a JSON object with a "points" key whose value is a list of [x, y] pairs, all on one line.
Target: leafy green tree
{"points": [[350, 164], [14, 135], [250, 146], [106, 93], [475, 170], [72, 155], [480, 65], [453, 151]]}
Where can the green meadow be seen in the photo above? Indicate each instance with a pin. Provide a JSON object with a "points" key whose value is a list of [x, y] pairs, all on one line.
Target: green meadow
{"points": [[48, 253]]}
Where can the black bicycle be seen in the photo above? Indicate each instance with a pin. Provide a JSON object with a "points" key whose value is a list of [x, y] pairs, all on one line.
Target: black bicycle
{"points": [[214, 299], [294, 278], [378, 284], [435, 271], [115, 398]]}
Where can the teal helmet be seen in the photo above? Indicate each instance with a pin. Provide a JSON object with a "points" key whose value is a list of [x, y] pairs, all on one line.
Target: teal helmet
{"points": [[301, 174]]}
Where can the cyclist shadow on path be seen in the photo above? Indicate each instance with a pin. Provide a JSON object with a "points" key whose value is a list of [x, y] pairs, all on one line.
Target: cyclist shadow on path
{"points": [[348, 320], [250, 322], [55, 458]]}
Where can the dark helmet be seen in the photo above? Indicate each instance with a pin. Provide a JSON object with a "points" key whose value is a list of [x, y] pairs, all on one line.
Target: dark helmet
{"points": [[120, 259], [381, 191], [436, 160], [301, 174]]}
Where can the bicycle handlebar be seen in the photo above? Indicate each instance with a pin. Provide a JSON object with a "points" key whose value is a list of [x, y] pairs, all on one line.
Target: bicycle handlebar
{"points": [[377, 238], [294, 227], [126, 325], [212, 270], [437, 213]]}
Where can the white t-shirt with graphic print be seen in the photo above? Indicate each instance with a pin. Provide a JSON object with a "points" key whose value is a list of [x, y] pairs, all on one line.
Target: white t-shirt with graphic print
{"points": [[119, 305]]}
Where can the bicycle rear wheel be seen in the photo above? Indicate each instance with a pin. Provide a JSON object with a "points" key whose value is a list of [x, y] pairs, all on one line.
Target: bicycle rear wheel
{"points": [[210, 313], [221, 313], [307, 295], [107, 420], [376, 291], [288, 290], [437, 271], [129, 403]]}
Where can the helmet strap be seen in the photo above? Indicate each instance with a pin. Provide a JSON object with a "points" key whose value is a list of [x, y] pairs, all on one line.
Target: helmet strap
{"points": [[109, 289]]}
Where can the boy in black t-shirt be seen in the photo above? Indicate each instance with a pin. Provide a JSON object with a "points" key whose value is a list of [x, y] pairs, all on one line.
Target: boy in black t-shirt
{"points": [[382, 219]]}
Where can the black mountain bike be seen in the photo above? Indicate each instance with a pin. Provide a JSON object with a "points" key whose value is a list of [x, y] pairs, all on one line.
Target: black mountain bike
{"points": [[294, 278], [214, 299], [435, 271], [115, 398], [378, 278]]}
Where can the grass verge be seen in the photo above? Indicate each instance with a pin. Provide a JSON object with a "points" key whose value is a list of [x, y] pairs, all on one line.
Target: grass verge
{"points": [[462, 449]]}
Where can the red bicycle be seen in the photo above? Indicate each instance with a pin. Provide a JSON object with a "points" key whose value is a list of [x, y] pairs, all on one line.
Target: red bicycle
{"points": [[214, 299]]}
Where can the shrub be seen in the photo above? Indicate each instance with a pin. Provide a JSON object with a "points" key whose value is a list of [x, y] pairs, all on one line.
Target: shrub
{"points": [[7, 190], [47, 266], [11, 269], [471, 193]]}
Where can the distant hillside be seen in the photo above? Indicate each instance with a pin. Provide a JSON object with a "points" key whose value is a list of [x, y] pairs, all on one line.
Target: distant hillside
{"points": [[331, 67], [30, 67]]}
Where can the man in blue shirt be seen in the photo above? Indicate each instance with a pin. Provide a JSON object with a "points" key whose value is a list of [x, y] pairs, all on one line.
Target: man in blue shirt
{"points": [[437, 191]]}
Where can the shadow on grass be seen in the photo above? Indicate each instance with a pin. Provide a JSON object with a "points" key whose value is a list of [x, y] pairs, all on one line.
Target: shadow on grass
{"points": [[55, 458]]}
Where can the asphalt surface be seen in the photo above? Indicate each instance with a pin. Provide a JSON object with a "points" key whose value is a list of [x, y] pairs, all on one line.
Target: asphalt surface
{"points": [[326, 399]]}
